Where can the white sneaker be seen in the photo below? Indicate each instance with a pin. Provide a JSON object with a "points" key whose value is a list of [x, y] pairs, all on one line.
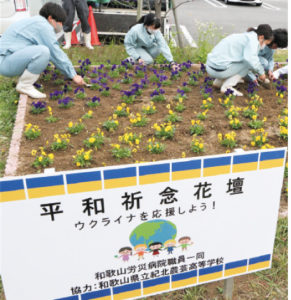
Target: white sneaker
{"points": [[229, 83], [68, 38], [87, 39], [217, 83], [25, 85]]}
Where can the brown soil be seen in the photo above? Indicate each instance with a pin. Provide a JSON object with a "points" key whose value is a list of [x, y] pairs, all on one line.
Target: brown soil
{"points": [[215, 123]]}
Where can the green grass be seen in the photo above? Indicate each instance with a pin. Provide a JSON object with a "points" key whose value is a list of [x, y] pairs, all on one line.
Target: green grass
{"points": [[280, 55], [116, 53], [8, 107]]}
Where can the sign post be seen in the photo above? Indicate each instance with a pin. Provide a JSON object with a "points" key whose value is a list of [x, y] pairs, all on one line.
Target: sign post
{"points": [[132, 231]]}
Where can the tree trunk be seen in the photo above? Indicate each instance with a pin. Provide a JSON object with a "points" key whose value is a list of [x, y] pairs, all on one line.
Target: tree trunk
{"points": [[158, 8]]}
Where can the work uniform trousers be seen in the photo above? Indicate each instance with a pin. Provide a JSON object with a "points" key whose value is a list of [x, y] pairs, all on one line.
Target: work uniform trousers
{"points": [[33, 58], [82, 11], [240, 68], [148, 54]]}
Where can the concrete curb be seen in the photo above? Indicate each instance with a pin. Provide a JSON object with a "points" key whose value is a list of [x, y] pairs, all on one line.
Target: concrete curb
{"points": [[13, 155]]}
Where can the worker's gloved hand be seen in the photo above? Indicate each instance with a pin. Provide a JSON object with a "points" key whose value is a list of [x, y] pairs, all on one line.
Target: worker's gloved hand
{"points": [[141, 61], [262, 77], [174, 66], [256, 82], [271, 75], [79, 80]]}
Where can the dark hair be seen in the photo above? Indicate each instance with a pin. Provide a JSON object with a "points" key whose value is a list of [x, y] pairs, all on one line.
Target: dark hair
{"points": [[263, 29], [155, 243], [125, 248], [280, 38], [149, 20], [54, 10]]}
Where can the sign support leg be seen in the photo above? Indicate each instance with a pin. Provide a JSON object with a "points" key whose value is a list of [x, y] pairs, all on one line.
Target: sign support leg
{"points": [[228, 288]]}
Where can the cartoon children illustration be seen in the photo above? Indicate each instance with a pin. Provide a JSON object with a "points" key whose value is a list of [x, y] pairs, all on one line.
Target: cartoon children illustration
{"points": [[125, 253], [155, 247], [140, 250], [169, 245], [185, 241]]}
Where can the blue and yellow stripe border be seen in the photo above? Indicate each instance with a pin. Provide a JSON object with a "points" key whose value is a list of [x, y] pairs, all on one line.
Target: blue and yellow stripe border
{"points": [[100, 295], [150, 174], [127, 291], [84, 182], [210, 273], [184, 279], [259, 262], [122, 177], [236, 267], [245, 162], [186, 169], [12, 190], [91, 180], [272, 159], [45, 186], [216, 166], [156, 285]]}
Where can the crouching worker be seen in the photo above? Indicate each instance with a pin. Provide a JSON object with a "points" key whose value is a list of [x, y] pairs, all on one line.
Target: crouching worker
{"points": [[234, 56], [28, 45], [266, 55], [144, 41]]}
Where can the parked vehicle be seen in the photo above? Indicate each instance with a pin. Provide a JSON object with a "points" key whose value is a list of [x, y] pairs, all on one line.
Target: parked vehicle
{"points": [[12, 11], [254, 2]]}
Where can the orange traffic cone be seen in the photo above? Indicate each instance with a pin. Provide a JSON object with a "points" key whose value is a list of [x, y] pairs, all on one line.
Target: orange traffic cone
{"points": [[74, 39], [94, 34]]}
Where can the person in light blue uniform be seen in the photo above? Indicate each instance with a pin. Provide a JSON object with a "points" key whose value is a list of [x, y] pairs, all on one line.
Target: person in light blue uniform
{"points": [[234, 56], [144, 41], [28, 45], [266, 55]]}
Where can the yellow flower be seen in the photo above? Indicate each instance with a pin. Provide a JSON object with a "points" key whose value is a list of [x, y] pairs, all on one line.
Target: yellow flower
{"points": [[90, 113], [40, 158], [219, 136], [252, 131], [253, 143], [86, 156], [137, 141], [92, 140], [51, 156], [33, 152], [183, 155], [78, 164], [70, 125]]}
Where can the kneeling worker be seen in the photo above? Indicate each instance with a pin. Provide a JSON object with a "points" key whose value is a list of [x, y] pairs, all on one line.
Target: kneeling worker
{"points": [[234, 56], [28, 45], [266, 55], [144, 41]]}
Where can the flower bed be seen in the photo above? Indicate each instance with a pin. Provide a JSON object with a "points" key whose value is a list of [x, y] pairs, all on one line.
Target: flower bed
{"points": [[178, 111]]}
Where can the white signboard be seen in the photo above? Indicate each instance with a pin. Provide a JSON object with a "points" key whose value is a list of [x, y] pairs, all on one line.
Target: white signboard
{"points": [[137, 230]]}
